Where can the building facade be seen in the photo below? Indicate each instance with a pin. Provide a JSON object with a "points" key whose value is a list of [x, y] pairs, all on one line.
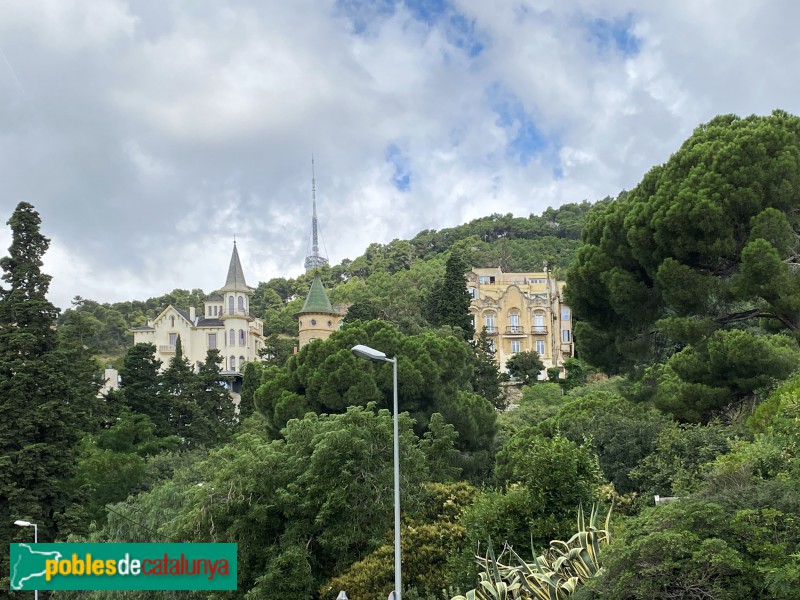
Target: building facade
{"points": [[522, 312], [225, 323]]}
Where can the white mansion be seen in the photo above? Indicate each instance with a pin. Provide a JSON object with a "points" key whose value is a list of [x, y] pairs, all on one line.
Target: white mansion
{"points": [[225, 324]]}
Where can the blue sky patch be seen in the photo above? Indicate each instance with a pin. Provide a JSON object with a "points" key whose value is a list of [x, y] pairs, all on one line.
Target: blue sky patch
{"points": [[459, 31], [401, 178], [615, 34], [525, 139]]}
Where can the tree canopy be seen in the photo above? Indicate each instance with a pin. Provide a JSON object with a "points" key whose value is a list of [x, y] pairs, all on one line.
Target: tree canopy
{"points": [[705, 244]]}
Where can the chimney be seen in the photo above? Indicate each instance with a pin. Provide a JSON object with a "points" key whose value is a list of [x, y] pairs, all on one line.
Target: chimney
{"points": [[192, 315]]}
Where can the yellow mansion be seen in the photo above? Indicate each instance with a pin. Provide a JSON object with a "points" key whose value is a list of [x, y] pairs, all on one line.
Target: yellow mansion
{"points": [[522, 312]]}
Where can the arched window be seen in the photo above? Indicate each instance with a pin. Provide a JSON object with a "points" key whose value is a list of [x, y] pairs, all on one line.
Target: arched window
{"points": [[231, 337], [538, 323], [513, 321], [242, 337], [241, 363], [241, 304], [232, 363], [230, 305], [490, 323]]}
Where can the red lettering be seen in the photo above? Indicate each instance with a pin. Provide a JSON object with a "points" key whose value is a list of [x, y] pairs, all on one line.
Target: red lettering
{"points": [[150, 561]]}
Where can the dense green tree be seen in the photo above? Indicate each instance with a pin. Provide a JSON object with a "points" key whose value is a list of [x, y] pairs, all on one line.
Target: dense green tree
{"points": [[434, 375], [697, 549], [525, 366], [47, 395], [142, 389], [706, 242], [544, 480], [449, 302], [620, 432], [253, 373], [486, 375], [212, 398], [683, 454], [300, 509], [112, 463]]}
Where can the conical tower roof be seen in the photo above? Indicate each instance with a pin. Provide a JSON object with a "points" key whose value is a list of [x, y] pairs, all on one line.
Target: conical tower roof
{"points": [[235, 280], [317, 300]]}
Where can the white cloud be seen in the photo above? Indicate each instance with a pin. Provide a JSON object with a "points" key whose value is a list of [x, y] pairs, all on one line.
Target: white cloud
{"points": [[149, 134]]}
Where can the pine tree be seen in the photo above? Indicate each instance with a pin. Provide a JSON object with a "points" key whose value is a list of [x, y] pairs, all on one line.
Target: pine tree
{"points": [[142, 390], [214, 401], [486, 375], [47, 395]]}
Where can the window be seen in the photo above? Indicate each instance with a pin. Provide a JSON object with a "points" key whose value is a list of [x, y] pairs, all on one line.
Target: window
{"points": [[330, 323], [473, 293], [488, 321], [565, 335], [173, 339], [538, 323], [513, 319], [172, 321], [212, 341], [491, 347], [231, 337], [215, 310], [232, 363], [540, 347], [241, 304], [241, 363], [313, 321], [242, 337], [564, 314], [515, 346], [230, 305]]}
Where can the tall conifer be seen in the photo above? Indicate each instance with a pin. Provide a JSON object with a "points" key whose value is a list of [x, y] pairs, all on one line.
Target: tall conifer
{"points": [[43, 396]]}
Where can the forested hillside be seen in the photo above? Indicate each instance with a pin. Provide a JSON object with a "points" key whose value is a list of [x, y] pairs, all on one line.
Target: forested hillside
{"points": [[686, 295], [391, 281]]}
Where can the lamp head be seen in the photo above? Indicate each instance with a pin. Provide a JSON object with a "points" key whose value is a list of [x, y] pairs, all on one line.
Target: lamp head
{"points": [[368, 353], [23, 523]]}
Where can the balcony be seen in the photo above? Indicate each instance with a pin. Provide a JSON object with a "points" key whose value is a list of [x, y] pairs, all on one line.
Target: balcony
{"points": [[539, 330], [491, 330], [515, 330], [166, 349]]}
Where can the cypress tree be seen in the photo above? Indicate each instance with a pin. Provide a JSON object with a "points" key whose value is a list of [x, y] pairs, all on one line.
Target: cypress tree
{"points": [[43, 396], [449, 303]]}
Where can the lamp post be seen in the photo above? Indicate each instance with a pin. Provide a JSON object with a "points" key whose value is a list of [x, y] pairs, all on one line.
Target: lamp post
{"points": [[368, 353], [21, 523]]}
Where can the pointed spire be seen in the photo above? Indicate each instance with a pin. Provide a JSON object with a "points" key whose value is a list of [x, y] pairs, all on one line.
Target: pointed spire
{"points": [[314, 224], [314, 260], [235, 280], [317, 300]]}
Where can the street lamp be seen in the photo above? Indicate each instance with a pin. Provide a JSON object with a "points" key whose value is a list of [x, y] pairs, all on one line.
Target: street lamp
{"points": [[368, 353], [21, 523]]}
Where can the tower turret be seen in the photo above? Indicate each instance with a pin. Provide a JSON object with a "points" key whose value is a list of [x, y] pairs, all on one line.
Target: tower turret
{"points": [[317, 320]]}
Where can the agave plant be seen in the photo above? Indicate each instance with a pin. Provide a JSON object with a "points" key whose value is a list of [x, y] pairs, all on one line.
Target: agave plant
{"points": [[554, 575]]}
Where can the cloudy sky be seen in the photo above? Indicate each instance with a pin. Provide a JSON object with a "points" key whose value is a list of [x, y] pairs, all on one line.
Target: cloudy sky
{"points": [[149, 133]]}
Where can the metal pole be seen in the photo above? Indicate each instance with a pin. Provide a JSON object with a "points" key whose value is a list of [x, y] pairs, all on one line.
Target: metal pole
{"points": [[397, 578], [35, 541]]}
